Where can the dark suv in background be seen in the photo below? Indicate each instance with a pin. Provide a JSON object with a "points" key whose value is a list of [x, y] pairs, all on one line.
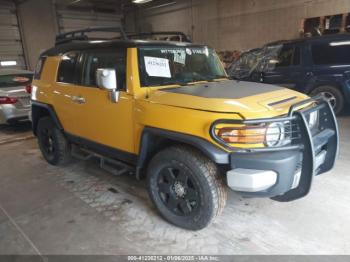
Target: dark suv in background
{"points": [[318, 65]]}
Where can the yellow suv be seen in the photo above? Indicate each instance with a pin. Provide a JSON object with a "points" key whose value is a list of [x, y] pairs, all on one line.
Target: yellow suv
{"points": [[169, 111]]}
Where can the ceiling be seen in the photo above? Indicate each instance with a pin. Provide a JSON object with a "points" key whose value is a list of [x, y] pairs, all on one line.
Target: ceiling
{"points": [[97, 5], [116, 5]]}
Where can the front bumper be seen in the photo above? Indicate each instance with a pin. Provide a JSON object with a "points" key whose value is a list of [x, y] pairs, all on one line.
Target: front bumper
{"points": [[286, 173], [10, 113]]}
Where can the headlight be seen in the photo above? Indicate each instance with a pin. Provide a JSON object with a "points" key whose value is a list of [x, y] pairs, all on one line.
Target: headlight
{"points": [[275, 134], [245, 135], [271, 135], [313, 119]]}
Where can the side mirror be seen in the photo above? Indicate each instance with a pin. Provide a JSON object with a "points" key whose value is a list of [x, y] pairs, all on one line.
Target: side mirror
{"points": [[106, 78]]}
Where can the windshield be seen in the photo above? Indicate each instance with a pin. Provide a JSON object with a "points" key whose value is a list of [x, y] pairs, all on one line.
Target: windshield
{"points": [[178, 65], [15, 80], [246, 64]]}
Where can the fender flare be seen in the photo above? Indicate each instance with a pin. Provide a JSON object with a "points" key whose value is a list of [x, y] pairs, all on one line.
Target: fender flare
{"points": [[37, 108], [154, 139]]}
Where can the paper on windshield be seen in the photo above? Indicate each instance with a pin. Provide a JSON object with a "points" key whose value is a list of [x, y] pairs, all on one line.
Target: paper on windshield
{"points": [[157, 67]]}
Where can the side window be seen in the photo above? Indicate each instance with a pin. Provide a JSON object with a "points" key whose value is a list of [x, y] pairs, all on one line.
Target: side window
{"points": [[67, 68], [110, 58], [285, 57], [334, 53]]}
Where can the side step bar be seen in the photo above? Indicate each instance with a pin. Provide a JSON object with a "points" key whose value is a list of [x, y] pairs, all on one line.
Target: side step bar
{"points": [[110, 165]]}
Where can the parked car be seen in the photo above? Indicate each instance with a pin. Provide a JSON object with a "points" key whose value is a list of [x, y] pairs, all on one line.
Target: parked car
{"points": [[168, 111], [318, 65], [244, 66], [14, 96]]}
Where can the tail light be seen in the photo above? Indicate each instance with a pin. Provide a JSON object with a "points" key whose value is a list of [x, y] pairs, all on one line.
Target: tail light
{"points": [[28, 89], [5, 100]]}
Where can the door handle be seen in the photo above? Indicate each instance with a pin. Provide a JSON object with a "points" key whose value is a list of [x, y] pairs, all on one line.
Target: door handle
{"points": [[79, 99]]}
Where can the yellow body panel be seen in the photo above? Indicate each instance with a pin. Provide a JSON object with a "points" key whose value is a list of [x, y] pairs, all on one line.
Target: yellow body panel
{"points": [[99, 119], [120, 125]]}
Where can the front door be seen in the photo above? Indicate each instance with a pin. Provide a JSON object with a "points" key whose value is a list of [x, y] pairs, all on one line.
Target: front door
{"points": [[285, 69], [95, 116]]}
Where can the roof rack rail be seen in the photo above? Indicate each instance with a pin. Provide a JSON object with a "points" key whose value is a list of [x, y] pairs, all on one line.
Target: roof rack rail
{"points": [[182, 36], [81, 35]]}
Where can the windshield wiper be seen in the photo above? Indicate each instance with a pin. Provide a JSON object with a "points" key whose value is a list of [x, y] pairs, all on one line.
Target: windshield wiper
{"points": [[180, 83], [215, 78]]}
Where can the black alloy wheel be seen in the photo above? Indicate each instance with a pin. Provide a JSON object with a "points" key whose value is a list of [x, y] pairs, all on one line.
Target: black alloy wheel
{"points": [[186, 187], [178, 191], [53, 145]]}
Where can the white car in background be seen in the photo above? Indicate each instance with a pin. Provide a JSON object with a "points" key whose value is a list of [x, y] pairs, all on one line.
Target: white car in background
{"points": [[15, 88]]}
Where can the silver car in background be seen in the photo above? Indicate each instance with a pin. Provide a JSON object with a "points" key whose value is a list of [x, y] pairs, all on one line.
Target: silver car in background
{"points": [[15, 88]]}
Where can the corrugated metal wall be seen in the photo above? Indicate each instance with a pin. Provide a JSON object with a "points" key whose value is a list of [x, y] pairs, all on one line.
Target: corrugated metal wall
{"points": [[74, 20], [11, 48]]}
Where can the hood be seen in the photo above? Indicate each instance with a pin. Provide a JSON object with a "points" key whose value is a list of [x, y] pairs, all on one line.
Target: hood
{"points": [[228, 96]]}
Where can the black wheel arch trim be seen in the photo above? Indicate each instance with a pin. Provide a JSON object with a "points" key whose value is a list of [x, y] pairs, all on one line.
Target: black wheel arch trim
{"points": [[152, 139], [37, 113]]}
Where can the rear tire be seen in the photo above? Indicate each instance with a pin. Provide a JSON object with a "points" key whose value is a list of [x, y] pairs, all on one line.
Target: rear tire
{"points": [[52, 143], [186, 187], [333, 94]]}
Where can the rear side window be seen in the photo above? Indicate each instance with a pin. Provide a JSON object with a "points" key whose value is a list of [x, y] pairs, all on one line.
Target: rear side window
{"points": [[334, 53], [104, 58], [67, 71], [39, 68]]}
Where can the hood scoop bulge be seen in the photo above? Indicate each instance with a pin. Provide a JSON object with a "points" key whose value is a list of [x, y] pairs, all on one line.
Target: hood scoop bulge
{"points": [[286, 100], [229, 89]]}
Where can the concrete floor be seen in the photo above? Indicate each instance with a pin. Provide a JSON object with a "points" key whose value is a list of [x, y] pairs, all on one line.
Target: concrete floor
{"points": [[84, 210]]}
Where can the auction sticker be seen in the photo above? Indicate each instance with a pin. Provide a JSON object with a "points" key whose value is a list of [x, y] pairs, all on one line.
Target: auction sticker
{"points": [[157, 67]]}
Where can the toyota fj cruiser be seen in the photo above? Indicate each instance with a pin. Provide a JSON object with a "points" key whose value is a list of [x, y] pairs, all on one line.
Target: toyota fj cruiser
{"points": [[168, 110]]}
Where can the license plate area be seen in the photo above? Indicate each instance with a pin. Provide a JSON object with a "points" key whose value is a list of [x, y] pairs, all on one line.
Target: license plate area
{"points": [[25, 101]]}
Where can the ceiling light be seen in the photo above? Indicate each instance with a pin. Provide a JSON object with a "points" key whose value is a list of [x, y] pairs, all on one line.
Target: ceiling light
{"points": [[141, 1], [8, 63]]}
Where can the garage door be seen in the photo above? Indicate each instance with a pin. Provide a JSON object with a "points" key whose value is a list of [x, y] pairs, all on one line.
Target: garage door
{"points": [[11, 50], [75, 20]]}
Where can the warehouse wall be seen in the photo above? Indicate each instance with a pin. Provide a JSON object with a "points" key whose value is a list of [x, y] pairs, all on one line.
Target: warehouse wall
{"points": [[38, 26], [237, 24], [41, 20]]}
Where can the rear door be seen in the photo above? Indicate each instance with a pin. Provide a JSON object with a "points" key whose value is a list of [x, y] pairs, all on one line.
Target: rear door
{"points": [[64, 89], [285, 69]]}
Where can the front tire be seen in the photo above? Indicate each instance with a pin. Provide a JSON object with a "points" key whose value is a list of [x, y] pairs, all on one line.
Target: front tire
{"points": [[334, 96], [186, 187], [53, 145]]}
